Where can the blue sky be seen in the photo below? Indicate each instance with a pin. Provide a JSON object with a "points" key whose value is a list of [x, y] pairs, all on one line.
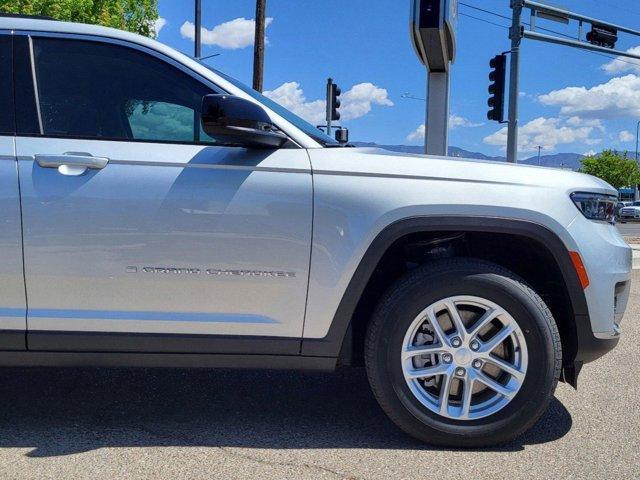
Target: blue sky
{"points": [[571, 100]]}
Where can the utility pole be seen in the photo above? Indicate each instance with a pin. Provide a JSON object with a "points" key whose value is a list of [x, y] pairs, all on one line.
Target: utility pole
{"points": [[258, 47], [198, 22], [514, 80]]}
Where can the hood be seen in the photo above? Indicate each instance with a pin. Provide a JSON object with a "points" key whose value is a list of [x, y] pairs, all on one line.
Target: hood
{"points": [[379, 162]]}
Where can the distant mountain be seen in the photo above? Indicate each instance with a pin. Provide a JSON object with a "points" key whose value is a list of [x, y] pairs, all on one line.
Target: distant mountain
{"points": [[559, 160]]}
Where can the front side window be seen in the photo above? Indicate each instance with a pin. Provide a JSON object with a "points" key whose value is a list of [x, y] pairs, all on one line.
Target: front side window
{"points": [[6, 85], [97, 90]]}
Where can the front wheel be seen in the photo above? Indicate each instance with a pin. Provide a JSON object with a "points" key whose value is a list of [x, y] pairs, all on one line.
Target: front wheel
{"points": [[462, 353]]}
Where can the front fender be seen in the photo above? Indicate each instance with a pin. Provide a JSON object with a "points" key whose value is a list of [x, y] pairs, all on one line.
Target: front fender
{"points": [[339, 319]]}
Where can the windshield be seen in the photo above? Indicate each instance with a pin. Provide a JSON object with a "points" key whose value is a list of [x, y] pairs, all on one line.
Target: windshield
{"points": [[292, 118]]}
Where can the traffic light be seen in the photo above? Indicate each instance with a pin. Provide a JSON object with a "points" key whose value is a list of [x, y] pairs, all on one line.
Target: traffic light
{"points": [[333, 101], [497, 78], [602, 36]]}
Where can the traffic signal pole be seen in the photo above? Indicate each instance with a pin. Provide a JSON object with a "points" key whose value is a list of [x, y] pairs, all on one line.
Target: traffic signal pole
{"points": [[198, 29], [329, 105], [514, 81], [602, 38]]}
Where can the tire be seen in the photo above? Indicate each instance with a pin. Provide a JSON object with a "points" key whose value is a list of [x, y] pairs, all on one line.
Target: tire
{"points": [[401, 307]]}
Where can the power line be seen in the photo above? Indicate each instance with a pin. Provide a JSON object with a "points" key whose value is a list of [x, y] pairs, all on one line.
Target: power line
{"points": [[635, 64], [482, 20], [490, 12]]}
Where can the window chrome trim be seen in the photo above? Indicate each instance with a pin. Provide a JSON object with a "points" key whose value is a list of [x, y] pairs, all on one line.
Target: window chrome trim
{"points": [[35, 85]]}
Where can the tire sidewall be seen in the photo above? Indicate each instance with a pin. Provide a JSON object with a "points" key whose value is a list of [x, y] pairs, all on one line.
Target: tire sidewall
{"points": [[506, 292]]}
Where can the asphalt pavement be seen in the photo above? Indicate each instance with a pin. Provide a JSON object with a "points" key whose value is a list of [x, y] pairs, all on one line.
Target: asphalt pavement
{"points": [[629, 229], [197, 424]]}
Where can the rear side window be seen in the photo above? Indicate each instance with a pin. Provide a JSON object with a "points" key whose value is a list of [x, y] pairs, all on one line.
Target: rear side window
{"points": [[99, 90], [7, 124]]}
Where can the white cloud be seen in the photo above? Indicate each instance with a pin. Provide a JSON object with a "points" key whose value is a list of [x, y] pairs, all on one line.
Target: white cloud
{"points": [[291, 96], [232, 35], [455, 121], [158, 25], [585, 122], [356, 102], [547, 133], [626, 136], [618, 98], [623, 64], [590, 153], [418, 134]]}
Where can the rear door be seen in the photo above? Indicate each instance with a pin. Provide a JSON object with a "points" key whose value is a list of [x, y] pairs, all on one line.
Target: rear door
{"points": [[12, 296], [140, 233]]}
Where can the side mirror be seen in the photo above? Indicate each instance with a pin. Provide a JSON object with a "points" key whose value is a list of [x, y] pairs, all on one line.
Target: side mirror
{"points": [[237, 122]]}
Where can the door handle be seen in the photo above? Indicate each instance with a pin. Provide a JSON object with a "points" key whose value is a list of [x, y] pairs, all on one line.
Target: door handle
{"points": [[72, 163]]}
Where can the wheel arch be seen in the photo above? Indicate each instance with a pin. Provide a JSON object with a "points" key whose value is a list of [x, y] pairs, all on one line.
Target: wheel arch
{"points": [[339, 342]]}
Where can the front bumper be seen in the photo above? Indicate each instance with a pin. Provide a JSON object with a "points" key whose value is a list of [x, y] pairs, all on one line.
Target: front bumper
{"points": [[608, 261]]}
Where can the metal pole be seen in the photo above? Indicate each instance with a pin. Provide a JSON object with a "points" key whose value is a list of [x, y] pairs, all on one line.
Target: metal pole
{"points": [[258, 47], [561, 12], [329, 105], [198, 22], [516, 37], [539, 148], [437, 121], [574, 43]]}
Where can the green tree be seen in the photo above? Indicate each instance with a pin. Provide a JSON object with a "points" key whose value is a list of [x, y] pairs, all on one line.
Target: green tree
{"points": [[612, 167], [136, 16]]}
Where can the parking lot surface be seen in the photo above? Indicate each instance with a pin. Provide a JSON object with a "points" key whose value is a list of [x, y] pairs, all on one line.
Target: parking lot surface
{"points": [[629, 229], [196, 424]]}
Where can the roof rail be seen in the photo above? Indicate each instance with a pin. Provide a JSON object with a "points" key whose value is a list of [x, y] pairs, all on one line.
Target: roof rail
{"points": [[19, 15]]}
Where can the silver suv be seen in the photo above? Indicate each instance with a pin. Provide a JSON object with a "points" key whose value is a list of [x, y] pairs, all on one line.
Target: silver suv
{"points": [[156, 212]]}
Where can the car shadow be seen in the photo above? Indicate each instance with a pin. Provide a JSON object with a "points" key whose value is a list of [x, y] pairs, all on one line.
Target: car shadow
{"points": [[66, 411]]}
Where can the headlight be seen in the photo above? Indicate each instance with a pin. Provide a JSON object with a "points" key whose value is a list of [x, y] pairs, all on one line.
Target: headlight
{"points": [[596, 206]]}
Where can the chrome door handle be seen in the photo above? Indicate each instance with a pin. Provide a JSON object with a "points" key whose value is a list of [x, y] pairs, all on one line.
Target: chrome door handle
{"points": [[72, 163]]}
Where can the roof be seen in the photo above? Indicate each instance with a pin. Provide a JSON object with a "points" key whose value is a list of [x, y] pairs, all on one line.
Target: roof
{"points": [[24, 23]]}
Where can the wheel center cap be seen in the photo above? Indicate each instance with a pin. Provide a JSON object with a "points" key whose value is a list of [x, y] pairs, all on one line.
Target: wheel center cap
{"points": [[463, 356]]}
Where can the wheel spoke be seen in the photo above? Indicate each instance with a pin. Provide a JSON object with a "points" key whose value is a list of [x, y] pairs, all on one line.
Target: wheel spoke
{"points": [[444, 394], [454, 315], [505, 366], [487, 317], [492, 357], [437, 328], [499, 337], [416, 351], [467, 393], [440, 369], [495, 386]]}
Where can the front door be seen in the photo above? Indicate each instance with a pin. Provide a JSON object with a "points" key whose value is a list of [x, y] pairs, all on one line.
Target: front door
{"points": [[12, 297], [140, 234]]}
